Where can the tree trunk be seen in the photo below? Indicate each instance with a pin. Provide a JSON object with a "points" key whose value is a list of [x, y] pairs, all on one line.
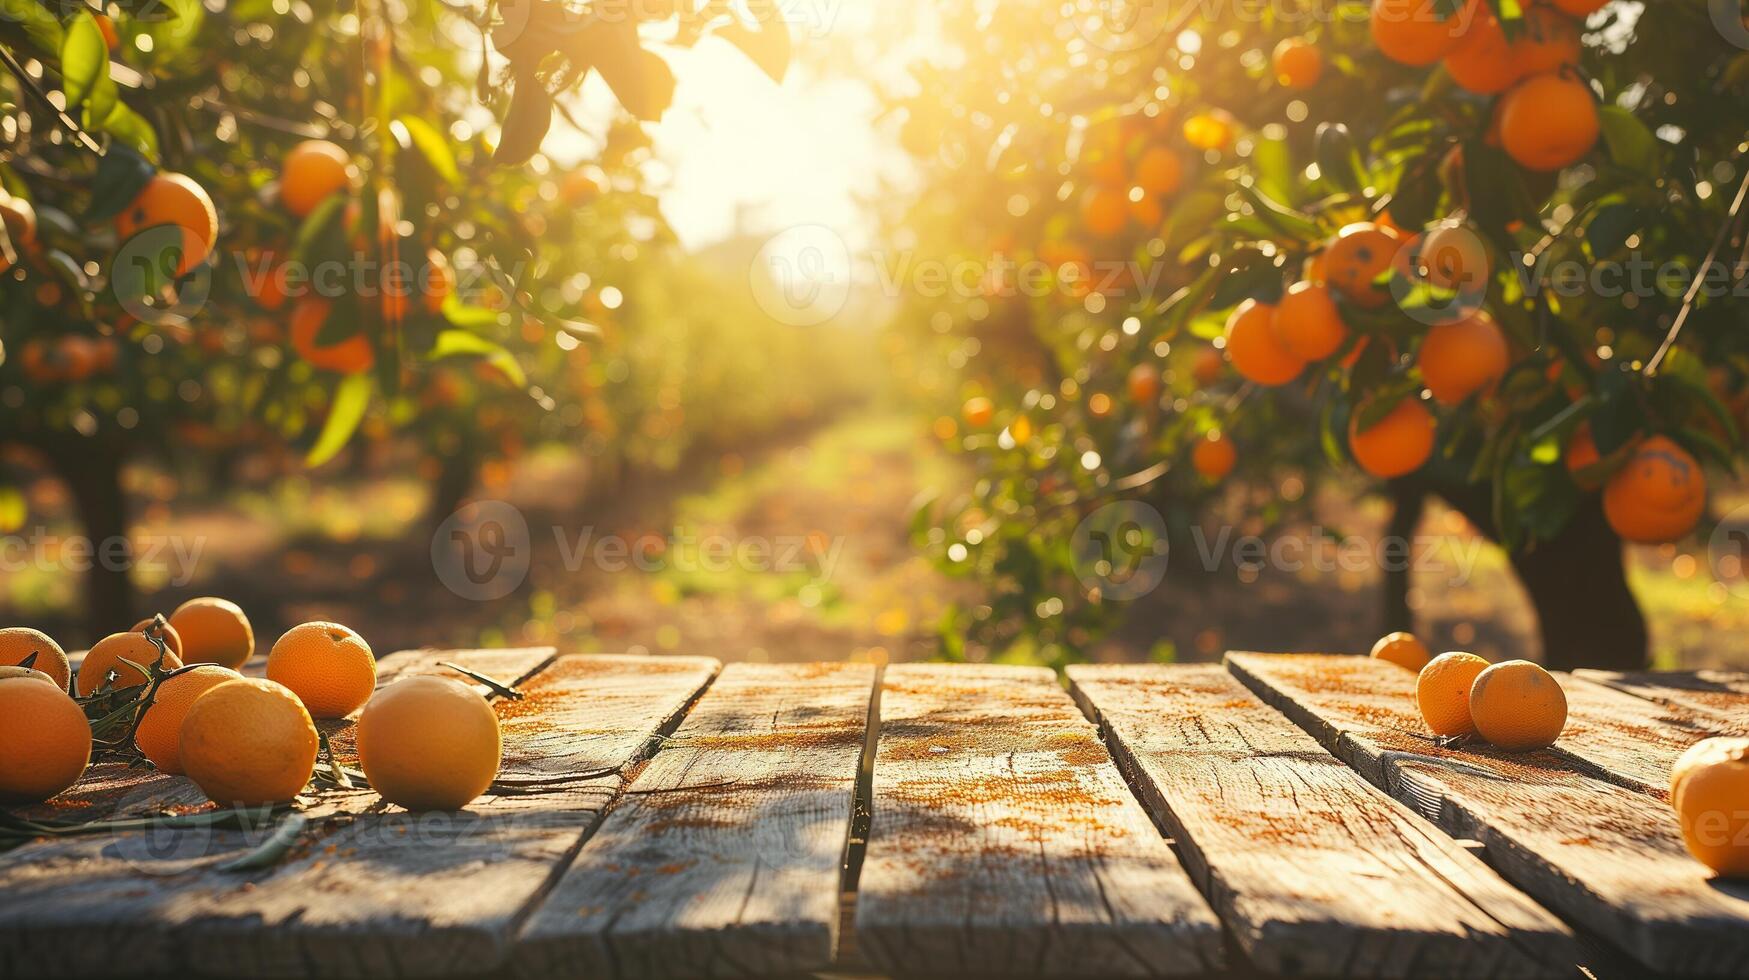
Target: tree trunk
{"points": [[455, 480], [92, 472], [1407, 505], [1586, 614]]}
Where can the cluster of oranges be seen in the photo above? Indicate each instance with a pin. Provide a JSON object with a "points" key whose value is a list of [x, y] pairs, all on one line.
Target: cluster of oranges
{"points": [[1129, 173], [1546, 116], [424, 742], [1513, 705], [313, 172], [1272, 344], [1518, 706]]}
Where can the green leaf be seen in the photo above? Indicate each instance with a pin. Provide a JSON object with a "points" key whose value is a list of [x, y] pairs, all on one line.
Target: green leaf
{"points": [[132, 130], [84, 59], [1631, 144], [432, 145], [173, 24], [350, 401], [461, 343], [460, 314], [121, 174], [39, 24], [525, 123]]}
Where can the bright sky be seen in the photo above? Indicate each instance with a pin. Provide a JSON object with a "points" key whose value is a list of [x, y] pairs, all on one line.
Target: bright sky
{"points": [[737, 146]]}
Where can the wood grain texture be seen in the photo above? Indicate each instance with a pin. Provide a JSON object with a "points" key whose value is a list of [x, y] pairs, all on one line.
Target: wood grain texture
{"points": [[1720, 694], [1312, 869], [1630, 740], [1005, 842], [1606, 858], [370, 890], [725, 856]]}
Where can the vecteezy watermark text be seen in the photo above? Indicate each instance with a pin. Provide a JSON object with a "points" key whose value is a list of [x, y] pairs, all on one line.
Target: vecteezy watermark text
{"points": [[174, 557], [484, 551]]}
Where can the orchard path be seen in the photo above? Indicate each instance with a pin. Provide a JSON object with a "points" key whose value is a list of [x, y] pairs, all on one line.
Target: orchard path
{"points": [[826, 510]]}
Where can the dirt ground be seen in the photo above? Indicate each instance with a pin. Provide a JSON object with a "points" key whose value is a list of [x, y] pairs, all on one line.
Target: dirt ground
{"points": [[796, 550]]}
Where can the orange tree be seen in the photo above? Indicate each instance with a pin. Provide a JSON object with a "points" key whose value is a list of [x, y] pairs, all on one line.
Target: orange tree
{"points": [[260, 224], [1483, 249]]}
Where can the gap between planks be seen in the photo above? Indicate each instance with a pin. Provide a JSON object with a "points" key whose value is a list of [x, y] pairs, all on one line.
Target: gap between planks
{"points": [[1606, 858], [726, 854], [1312, 869]]}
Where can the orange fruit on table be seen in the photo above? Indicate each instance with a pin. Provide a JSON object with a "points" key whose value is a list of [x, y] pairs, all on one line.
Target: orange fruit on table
{"points": [[1483, 60], [1397, 444], [1360, 253], [429, 743], [1412, 32], [1461, 358], [1709, 789], [1548, 122], [28, 673], [1105, 211], [47, 740], [1518, 706], [349, 356], [1547, 41], [1307, 323], [17, 643], [1214, 456], [159, 735], [107, 655], [978, 411], [1253, 349], [1658, 496], [1452, 256], [1442, 692], [214, 631], [1212, 129], [249, 742], [1403, 649], [1159, 171], [313, 170], [1580, 8], [326, 665], [174, 199], [1297, 63], [172, 639], [1144, 384]]}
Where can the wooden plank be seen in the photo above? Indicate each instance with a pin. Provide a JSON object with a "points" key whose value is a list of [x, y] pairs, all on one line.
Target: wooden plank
{"points": [[1629, 740], [1005, 842], [370, 890], [1720, 694], [1606, 858], [1312, 869], [725, 857]]}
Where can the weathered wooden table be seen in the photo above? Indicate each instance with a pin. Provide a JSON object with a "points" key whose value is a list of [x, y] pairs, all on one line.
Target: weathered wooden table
{"points": [[668, 816]]}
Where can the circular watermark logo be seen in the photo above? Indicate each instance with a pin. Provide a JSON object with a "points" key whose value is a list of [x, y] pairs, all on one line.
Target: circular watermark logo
{"points": [[1444, 275], [1730, 20], [1120, 25], [482, 551], [801, 276], [1120, 550], [1728, 552], [146, 282]]}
